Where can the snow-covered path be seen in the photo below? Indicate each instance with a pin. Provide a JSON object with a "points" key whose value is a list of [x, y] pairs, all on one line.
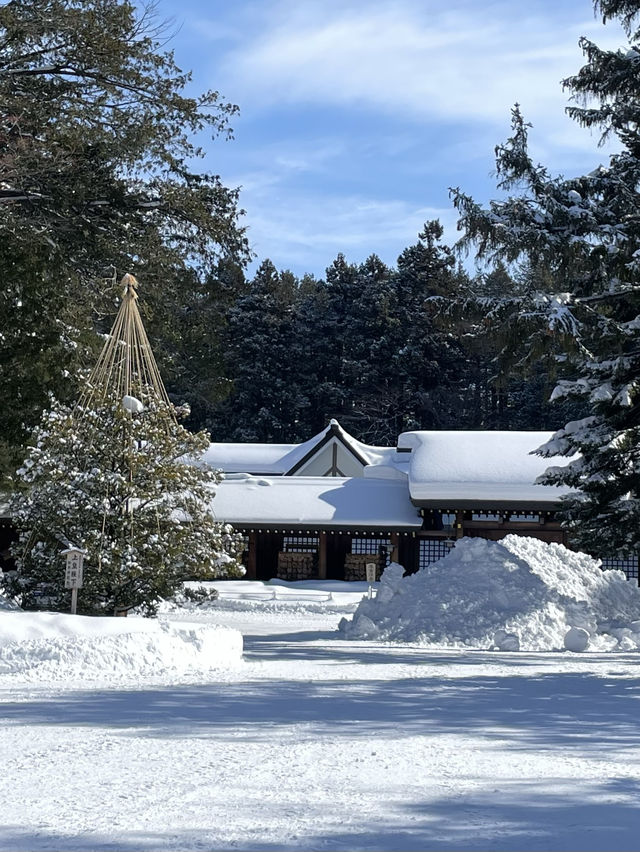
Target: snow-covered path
{"points": [[318, 743]]}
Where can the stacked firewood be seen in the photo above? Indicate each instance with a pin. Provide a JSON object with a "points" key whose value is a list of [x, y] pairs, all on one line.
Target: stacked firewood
{"points": [[354, 565], [296, 566]]}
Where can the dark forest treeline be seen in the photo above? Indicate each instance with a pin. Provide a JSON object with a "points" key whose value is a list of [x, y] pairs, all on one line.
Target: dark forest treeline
{"points": [[383, 349]]}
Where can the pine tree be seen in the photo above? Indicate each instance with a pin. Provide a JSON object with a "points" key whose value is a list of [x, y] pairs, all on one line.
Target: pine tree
{"points": [[96, 173], [368, 340], [118, 477], [260, 360], [133, 497], [190, 328], [586, 232], [323, 328], [509, 366], [428, 357]]}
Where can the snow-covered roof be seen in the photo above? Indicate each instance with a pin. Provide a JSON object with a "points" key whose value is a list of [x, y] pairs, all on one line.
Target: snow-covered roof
{"points": [[279, 459], [477, 468], [468, 469], [248, 458], [316, 501]]}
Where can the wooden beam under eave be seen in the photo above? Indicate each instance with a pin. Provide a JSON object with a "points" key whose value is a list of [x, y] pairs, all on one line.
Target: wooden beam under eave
{"points": [[394, 539], [252, 565], [322, 556]]}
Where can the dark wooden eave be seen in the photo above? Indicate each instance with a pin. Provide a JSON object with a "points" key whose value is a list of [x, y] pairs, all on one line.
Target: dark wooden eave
{"points": [[489, 507], [298, 529]]}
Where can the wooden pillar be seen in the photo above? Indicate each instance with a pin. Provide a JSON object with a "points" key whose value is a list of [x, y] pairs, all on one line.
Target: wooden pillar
{"points": [[394, 541], [459, 524], [252, 559], [322, 556]]}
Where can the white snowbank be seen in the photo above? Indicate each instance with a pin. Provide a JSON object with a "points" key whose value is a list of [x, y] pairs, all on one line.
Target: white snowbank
{"points": [[56, 646], [299, 596], [518, 593]]}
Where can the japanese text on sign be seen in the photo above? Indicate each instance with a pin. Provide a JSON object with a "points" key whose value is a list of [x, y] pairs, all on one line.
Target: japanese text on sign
{"points": [[73, 572]]}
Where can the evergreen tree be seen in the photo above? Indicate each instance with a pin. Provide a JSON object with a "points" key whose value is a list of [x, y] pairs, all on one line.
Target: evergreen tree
{"points": [[367, 349], [586, 232], [348, 378], [365, 345], [428, 359], [190, 326], [510, 362], [260, 360], [126, 488], [327, 318], [96, 173]]}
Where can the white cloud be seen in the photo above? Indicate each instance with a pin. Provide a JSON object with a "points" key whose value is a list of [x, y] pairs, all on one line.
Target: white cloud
{"points": [[427, 89], [454, 62], [306, 233]]}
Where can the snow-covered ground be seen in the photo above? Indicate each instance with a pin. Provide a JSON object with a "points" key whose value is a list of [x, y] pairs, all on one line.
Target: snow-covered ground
{"points": [[311, 741]]}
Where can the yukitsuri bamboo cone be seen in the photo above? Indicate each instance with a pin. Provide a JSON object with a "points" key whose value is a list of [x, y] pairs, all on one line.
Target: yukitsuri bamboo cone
{"points": [[126, 372], [126, 366]]}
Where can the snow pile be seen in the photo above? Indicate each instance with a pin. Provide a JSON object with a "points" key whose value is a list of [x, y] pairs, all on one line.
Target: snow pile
{"points": [[516, 594], [55, 646]]}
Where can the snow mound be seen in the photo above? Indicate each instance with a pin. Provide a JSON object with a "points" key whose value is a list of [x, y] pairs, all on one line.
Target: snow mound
{"points": [[55, 646], [516, 594]]}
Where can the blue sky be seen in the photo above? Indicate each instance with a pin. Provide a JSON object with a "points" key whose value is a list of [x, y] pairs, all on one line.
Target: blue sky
{"points": [[356, 116]]}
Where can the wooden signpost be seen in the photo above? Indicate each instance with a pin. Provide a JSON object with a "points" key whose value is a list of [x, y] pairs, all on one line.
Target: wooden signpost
{"points": [[370, 571], [73, 574]]}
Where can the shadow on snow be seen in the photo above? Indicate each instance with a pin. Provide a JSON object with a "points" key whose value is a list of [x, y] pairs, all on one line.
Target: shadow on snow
{"points": [[574, 710], [527, 817]]}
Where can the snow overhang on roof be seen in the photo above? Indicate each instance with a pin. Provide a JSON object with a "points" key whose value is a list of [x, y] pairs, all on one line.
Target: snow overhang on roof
{"points": [[248, 458], [315, 502], [476, 469]]}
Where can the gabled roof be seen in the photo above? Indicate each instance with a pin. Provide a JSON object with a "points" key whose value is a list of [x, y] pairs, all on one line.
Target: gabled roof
{"points": [[361, 452], [286, 459], [456, 469], [248, 458], [472, 469]]}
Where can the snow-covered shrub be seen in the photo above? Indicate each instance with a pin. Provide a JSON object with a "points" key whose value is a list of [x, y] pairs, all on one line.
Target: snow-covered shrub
{"points": [[199, 595], [115, 483]]}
